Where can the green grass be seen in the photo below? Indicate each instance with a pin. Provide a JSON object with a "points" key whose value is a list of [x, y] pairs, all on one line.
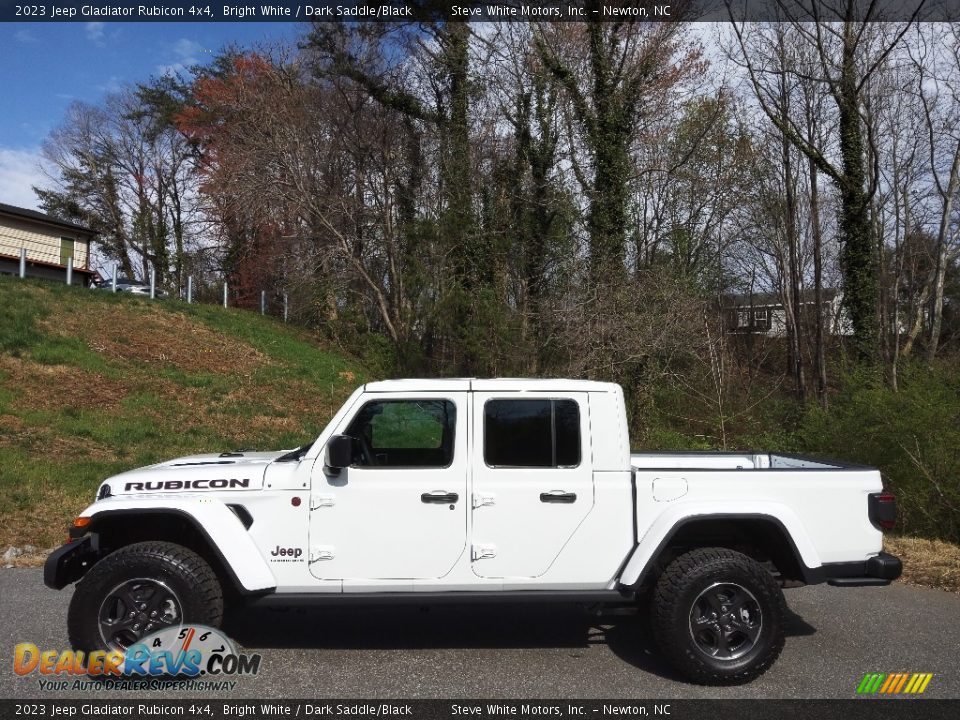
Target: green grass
{"points": [[296, 354], [74, 411], [22, 307]]}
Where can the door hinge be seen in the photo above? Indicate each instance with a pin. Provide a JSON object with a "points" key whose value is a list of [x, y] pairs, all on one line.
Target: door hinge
{"points": [[321, 552], [481, 499], [326, 500], [484, 552]]}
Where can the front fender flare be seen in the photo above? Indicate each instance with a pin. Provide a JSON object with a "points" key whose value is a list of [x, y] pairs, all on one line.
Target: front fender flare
{"points": [[223, 531]]}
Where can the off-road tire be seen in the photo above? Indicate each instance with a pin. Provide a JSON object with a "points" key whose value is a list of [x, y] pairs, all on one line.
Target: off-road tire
{"points": [[677, 590], [180, 569]]}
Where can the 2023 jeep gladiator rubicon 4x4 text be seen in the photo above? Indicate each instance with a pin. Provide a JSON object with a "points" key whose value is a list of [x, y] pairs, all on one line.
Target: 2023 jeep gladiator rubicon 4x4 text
{"points": [[469, 490]]}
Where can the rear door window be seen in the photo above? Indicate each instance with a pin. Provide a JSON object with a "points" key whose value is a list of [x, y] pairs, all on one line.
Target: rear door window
{"points": [[536, 433]]}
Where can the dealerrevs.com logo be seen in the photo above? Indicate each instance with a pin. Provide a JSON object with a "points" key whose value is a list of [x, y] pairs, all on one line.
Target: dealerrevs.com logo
{"points": [[188, 657], [894, 683]]}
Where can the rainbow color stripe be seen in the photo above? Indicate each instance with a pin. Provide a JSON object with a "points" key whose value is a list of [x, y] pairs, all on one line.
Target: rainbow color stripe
{"points": [[894, 683]]}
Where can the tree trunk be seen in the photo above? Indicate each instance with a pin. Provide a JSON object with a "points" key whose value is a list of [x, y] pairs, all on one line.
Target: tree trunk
{"points": [[921, 302], [858, 255], [473, 263], [936, 311], [607, 220], [819, 355], [792, 295]]}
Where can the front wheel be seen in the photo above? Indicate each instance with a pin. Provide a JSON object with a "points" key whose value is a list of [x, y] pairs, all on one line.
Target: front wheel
{"points": [[141, 589], [718, 616]]}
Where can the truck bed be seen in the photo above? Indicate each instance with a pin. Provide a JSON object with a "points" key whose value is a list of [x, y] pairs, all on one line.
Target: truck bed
{"points": [[711, 460], [822, 503]]}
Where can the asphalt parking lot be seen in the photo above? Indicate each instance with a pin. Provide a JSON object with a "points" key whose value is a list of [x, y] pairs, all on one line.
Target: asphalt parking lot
{"points": [[497, 651]]}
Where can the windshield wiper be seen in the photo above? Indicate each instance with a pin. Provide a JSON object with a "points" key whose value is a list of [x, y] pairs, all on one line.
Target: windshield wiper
{"points": [[295, 455]]}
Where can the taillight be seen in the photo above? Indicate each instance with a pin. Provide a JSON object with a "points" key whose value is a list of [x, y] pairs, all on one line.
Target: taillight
{"points": [[883, 510]]}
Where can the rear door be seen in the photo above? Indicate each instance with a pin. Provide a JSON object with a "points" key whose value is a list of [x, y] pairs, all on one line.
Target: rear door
{"points": [[532, 479], [399, 511]]}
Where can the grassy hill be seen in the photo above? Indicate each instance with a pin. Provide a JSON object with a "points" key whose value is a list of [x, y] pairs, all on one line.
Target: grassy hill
{"points": [[92, 384]]}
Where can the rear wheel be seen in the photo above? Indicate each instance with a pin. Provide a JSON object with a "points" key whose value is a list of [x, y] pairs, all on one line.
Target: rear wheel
{"points": [[718, 616], [141, 589]]}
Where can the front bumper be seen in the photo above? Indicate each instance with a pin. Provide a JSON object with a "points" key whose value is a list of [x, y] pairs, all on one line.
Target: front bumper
{"points": [[70, 562], [880, 569]]}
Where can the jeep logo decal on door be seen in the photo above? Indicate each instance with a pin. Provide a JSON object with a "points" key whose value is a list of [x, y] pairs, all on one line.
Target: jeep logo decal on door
{"points": [[292, 553]]}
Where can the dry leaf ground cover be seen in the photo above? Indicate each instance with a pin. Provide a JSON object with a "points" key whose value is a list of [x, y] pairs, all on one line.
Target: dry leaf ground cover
{"points": [[932, 563]]}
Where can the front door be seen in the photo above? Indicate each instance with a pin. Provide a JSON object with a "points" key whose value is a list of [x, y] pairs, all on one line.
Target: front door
{"points": [[399, 511], [532, 480]]}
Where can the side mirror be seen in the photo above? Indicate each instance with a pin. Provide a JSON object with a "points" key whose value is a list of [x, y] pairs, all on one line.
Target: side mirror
{"points": [[339, 452]]}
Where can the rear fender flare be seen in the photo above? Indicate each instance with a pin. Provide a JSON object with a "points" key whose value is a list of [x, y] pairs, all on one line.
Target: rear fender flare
{"points": [[658, 536]]}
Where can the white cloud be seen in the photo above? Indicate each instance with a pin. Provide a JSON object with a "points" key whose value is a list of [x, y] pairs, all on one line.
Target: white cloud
{"points": [[19, 172], [114, 84], [95, 32], [185, 54], [186, 48], [24, 36]]}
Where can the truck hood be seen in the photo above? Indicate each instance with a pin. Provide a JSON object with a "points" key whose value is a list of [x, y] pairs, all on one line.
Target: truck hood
{"points": [[195, 473]]}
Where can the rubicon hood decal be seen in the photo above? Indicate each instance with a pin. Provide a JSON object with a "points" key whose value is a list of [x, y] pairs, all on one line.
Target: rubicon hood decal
{"points": [[196, 473], [203, 484]]}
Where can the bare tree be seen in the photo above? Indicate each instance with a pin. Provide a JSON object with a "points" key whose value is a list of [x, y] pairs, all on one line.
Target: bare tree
{"points": [[939, 92], [613, 74], [130, 179], [849, 52]]}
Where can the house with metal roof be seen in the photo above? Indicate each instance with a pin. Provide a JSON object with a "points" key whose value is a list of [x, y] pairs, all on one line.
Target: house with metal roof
{"points": [[45, 245]]}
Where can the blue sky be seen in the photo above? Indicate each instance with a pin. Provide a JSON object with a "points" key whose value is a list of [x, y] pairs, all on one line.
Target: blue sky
{"points": [[46, 66]]}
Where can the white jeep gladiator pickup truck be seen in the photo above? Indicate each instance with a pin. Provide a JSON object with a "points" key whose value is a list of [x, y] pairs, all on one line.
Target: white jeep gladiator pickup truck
{"points": [[468, 490]]}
